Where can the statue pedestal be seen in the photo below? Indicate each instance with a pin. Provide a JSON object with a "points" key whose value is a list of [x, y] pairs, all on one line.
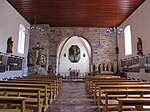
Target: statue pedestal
{"points": [[38, 70]]}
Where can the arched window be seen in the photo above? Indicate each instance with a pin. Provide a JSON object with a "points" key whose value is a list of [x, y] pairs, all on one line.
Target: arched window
{"points": [[128, 42], [21, 41]]}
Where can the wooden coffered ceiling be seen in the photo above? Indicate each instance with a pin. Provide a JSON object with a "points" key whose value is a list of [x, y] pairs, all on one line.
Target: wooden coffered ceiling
{"points": [[76, 13]]}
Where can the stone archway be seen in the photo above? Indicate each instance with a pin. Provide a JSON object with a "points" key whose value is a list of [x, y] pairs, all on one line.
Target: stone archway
{"points": [[63, 62]]}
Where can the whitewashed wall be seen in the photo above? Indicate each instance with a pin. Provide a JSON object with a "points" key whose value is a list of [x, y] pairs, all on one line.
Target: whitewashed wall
{"points": [[140, 27], [83, 64], [10, 21]]}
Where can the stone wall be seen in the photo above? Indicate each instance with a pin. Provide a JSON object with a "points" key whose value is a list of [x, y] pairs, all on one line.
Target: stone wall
{"points": [[103, 47]]}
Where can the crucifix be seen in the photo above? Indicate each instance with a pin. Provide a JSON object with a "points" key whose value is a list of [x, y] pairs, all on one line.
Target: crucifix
{"points": [[38, 53]]}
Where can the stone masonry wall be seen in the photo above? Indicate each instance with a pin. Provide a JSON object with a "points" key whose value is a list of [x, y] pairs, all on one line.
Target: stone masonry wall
{"points": [[103, 47]]}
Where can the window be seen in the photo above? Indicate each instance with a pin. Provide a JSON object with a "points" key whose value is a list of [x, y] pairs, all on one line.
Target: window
{"points": [[21, 41], [128, 43]]}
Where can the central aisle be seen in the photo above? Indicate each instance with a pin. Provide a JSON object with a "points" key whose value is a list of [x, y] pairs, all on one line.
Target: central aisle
{"points": [[73, 97]]}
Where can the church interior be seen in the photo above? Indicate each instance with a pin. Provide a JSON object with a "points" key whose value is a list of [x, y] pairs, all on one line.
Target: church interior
{"points": [[74, 56]]}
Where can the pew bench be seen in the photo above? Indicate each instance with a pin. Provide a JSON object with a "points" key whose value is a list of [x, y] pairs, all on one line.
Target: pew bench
{"points": [[43, 78], [101, 80], [51, 86], [54, 82], [37, 101], [14, 110], [103, 77], [95, 85], [110, 96], [139, 102], [14, 100], [99, 95], [43, 88]]}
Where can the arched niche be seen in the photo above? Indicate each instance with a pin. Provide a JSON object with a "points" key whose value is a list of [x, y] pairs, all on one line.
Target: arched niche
{"points": [[63, 62]]}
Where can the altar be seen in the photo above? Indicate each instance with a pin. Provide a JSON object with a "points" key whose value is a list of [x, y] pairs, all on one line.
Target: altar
{"points": [[74, 74]]}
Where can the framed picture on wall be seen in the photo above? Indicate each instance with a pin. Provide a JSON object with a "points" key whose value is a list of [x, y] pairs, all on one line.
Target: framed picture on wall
{"points": [[74, 54], [2, 63]]}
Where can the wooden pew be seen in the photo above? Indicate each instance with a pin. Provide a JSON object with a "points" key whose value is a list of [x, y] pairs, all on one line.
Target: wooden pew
{"points": [[38, 101], [53, 81], [103, 88], [51, 86], [100, 81], [89, 78], [14, 100], [55, 84], [132, 102], [94, 84], [14, 110], [45, 77], [88, 82], [43, 88], [112, 95], [95, 87], [9, 110]]}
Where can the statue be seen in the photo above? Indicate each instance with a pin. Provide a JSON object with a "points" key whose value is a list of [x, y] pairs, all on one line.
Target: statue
{"points": [[43, 60], [139, 47], [30, 59], [9, 45], [101, 67], [38, 53], [105, 67], [109, 67], [50, 69], [96, 68]]}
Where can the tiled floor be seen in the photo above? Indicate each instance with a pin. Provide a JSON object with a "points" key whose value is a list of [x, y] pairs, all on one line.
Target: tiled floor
{"points": [[73, 97]]}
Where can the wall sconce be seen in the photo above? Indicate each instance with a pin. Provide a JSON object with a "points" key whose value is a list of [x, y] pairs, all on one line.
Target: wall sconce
{"points": [[64, 54], [84, 55]]}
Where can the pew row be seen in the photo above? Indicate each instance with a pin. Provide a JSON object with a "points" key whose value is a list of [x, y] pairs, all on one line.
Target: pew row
{"points": [[48, 87], [7, 91], [108, 93], [95, 86], [104, 90], [17, 100], [56, 83], [137, 102], [44, 91]]}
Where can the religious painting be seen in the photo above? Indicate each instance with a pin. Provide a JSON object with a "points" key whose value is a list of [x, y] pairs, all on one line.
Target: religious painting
{"points": [[14, 63], [135, 60], [147, 59], [2, 63], [74, 54], [146, 63], [19, 62], [122, 62], [2, 68]]}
